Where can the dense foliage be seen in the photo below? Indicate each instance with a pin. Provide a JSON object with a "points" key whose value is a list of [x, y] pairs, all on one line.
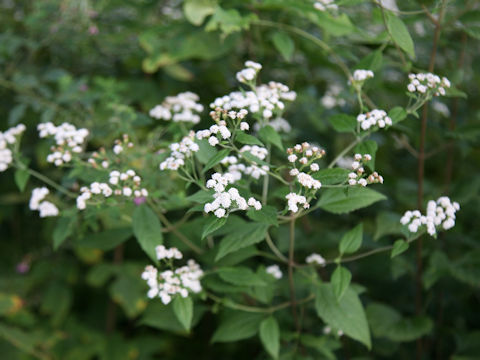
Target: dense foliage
{"points": [[325, 209]]}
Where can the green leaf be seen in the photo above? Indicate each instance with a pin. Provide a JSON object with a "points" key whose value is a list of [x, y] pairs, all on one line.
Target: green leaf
{"points": [[338, 201], [340, 280], [397, 114], [266, 215], [239, 275], [237, 326], [372, 61], [201, 196], [129, 293], [63, 229], [252, 158], [284, 44], [147, 230], [183, 310], [399, 33], [343, 122], [105, 240], [347, 314], [269, 135], [331, 176], [387, 223], [197, 10], [212, 225], [368, 147], [352, 240], [21, 178], [270, 336], [248, 235], [399, 247], [248, 139], [337, 26], [229, 21], [215, 159], [205, 152]]}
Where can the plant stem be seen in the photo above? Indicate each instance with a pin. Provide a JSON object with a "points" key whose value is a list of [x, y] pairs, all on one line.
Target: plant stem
{"points": [[291, 265], [274, 249], [347, 149], [265, 179], [48, 181]]}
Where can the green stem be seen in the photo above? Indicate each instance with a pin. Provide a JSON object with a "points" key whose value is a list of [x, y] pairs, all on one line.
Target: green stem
{"points": [[266, 179], [48, 181], [347, 149]]}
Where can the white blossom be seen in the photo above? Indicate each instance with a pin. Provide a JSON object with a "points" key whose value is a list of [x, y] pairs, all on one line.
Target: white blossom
{"points": [[374, 118], [183, 107], [315, 259], [294, 200], [275, 271], [180, 151], [362, 75], [324, 5], [424, 82], [37, 202], [8, 139]]}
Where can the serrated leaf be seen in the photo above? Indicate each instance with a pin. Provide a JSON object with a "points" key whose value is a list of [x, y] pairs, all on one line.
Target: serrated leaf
{"points": [[269, 135], [331, 176], [147, 229], [248, 235], [215, 159], [237, 326], [248, 139], [266, 215], [183, 310], [352, 240], [343, 122], [212, 225], [340, 281], [399, 33], [284, 44], [241, 276], [399, 247], [347, 314], [270, 336], [338, 201]]}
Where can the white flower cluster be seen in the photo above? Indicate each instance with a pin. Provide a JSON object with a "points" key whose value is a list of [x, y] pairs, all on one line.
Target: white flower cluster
{"points": [[305, 155], [180, 108], [215, 133], [294, 200], [100, 158], [315, 259], [249, 73], [8, 138], [331, 98], [168, 283], [236, 168], [275, 271], [357, 177], [279, 125], [227, 200], [46, 208], [324, 5], [362, 75], [180, 151], [125, 184], [373, 118], [440, 215], [265, 100], [424, 82], [121, 144], [68, 139]]}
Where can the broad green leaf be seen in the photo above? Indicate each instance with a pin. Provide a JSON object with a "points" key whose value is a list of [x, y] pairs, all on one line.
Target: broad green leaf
{"points": [[387, 223], [399, 247], [331, 176], [215, 159], [201, 196], [162, 317], [63, 229], [347, 314], [284, 44], [248, 235], [105, 240], [239, 275], [338, 201], [337, 26], [197, 10], [147, 230], [372, 61], [399, 33], [368, 147], [183, 310], [229, 21], [269, 135], [340, 281], [129, 293], [397, 114], [237, 326], [270, 336], [267, 215], [352, 240], [21, 178], [205, 152], [248, 139], [212, 225], [343, 122]]}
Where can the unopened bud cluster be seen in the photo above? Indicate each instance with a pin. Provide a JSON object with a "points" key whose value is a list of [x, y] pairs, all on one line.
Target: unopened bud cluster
{"points": [[170, 283], [358, 175], [237, 169], [69, 141], [440, 215], [373, 118], [37, 202], [250, 72], [126, 184], [427, 82], [302, 157], [7, 141], [183, 107]]}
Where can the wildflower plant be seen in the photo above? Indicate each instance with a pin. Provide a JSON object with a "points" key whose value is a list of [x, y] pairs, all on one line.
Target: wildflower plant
{"points": [[225, 214]]}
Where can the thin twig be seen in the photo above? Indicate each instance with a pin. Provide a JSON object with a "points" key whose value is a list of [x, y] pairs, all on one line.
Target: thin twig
{"points": [[291, 265]]}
